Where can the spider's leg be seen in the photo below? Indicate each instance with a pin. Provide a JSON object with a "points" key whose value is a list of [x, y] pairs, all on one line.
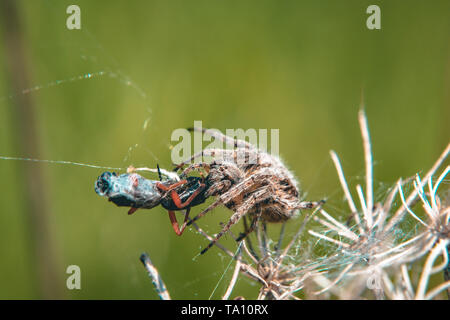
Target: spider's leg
{"points": [[234, 219], [235, 191], [159, 172], [211, 190], [256, 197], [248, 240], [201, 214], [196, 166], [246, 185], [309, 204], [173, 220], [252, 227], [216, 134], [216, 188]]}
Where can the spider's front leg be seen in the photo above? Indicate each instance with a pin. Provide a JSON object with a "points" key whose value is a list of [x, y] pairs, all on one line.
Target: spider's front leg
{"points": [[196, 167]]}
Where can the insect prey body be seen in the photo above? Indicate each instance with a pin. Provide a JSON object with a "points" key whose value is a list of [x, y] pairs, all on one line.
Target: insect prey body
{"points": [[134, 191]]}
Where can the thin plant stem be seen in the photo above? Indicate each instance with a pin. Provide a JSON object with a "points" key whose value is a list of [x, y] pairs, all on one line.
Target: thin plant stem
{"points": [[237, 268], [428, 268], [344, 185], [368, 160], [401, 211], [156, 278]]}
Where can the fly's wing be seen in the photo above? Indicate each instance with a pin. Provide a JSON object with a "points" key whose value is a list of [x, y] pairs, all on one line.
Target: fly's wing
{"points": [[128, 190]]}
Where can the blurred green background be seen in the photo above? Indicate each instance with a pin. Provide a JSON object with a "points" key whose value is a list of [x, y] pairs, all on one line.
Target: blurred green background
{"points": [[300, 66]]}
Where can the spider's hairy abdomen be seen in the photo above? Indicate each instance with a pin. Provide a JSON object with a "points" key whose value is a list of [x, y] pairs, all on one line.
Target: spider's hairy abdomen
{"points": [[278, 192]]}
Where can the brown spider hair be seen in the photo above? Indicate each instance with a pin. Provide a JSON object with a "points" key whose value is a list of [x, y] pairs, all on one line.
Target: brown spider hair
{"points": [[246, 180]]}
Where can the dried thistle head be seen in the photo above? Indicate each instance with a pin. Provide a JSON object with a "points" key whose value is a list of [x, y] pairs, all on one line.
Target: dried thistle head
{"points": [[371, 251], [434, 242]]}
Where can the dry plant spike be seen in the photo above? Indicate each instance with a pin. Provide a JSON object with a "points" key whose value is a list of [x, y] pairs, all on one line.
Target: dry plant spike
{"points": [[368, 160], [339, 243], [401, 211], [344, 184], [245, 267], [156, 278], [343, 230], [376, 251], [407, 281], [407, 207], [366, 213], [428, 271], [335, 281], [387, 206], [234, 278]]}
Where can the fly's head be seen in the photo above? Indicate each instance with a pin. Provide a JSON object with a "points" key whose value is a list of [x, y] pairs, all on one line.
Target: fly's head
{"points": [[104, 183]]}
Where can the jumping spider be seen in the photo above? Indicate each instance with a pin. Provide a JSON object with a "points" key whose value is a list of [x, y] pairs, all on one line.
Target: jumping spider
{"points": [[246, 180]]}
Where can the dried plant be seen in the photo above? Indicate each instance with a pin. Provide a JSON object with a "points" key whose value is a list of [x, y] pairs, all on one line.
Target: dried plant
{"points": [[376, 248], [373, 258]]}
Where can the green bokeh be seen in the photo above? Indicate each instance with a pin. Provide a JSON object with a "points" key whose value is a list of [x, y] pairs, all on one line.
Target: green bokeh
{"points": [[300, 66]]}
